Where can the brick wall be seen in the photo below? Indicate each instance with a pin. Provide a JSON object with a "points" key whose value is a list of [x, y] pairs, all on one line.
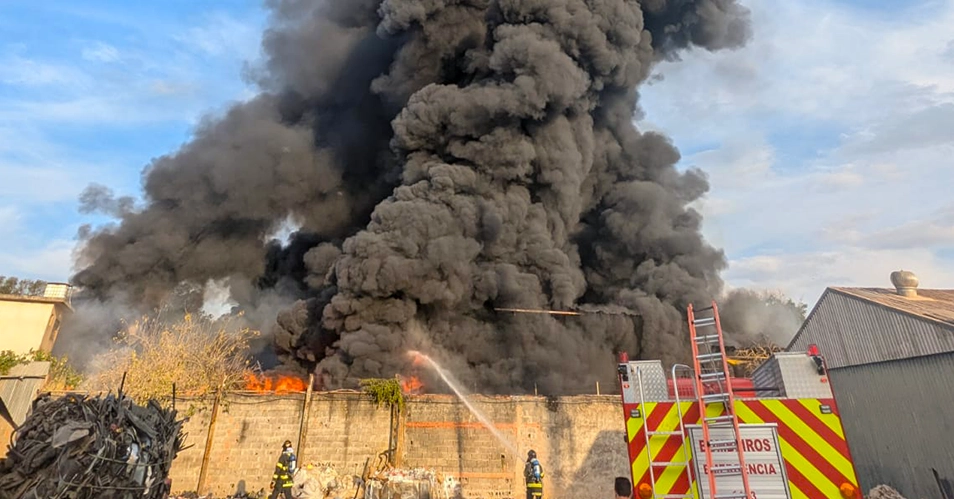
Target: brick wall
{"points": [[579, 440]]}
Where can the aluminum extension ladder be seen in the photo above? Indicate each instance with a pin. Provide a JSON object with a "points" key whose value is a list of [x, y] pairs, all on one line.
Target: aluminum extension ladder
{"points": [[714, 387], [649, 435]]}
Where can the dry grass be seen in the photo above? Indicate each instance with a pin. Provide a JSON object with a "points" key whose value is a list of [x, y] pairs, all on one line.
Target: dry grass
{"points": [[197, 354]]}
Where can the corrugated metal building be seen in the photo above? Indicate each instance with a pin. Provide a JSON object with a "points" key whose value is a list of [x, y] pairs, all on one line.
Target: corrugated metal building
{"points": [[18, 389], [890, 355]]}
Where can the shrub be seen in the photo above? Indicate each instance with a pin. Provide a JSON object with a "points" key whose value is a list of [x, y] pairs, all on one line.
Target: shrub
{"points": [[384, 392], [199, 355], [62, 376]]}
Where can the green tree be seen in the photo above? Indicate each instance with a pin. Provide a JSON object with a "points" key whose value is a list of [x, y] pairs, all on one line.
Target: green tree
{"points": [[62, 376], [16, 286]]}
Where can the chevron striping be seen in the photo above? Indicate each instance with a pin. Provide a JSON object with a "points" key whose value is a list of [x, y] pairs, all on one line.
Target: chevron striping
{"points": [[800, 459], [812, 445]]}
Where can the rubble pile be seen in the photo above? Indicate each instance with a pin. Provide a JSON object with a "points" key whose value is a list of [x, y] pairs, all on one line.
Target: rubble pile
{"points": [[80, 447], [884, 492], [317, 481], [418, 483]]}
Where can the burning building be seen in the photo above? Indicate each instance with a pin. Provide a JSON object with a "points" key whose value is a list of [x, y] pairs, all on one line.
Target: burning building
{"points": [[440, 160]]}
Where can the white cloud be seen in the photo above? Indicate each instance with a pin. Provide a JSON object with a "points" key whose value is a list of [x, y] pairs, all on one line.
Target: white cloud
{"points": [[162, 73], [100, 52], [36, 171], [52, 261], [221, 34], [21, 71], [827, 141], [9, 220], [804, 276]]}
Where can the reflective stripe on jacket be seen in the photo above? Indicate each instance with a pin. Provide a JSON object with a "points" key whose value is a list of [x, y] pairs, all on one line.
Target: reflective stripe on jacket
{"points": [[284, 469]]}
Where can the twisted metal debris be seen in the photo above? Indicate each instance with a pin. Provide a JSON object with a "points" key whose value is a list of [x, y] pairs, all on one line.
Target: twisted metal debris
{"points": [[80, 447]]}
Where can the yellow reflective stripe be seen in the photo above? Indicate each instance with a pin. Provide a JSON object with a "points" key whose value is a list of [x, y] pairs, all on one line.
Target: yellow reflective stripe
{"points": [[667, 479], [534, 485], [712, 411], [812, 438], [633, 427], [830, 420], [791, 456]]}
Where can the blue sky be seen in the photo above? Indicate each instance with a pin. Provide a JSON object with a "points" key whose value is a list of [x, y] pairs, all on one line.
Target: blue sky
{"points": [[828, 140]]}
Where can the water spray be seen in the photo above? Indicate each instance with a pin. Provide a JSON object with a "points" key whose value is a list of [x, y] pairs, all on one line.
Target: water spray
{"points": [[455, 386]]}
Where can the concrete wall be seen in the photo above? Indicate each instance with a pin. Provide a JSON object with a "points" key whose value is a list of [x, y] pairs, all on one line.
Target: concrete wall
{"points": [[26, 324], [580, 441]]}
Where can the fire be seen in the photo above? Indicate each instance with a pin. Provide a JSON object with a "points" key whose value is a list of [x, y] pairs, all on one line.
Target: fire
{"points": [[411, 384], [417, 358], [279, 383]]}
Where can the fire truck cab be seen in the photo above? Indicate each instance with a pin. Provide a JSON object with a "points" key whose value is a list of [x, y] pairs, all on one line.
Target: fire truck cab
{"points": [[790, 432]]}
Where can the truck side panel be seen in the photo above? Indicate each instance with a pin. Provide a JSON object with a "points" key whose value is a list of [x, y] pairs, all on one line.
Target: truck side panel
{"points": [[811, 438]]}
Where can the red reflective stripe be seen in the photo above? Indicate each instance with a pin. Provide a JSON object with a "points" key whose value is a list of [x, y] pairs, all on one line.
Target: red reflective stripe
{"points": [[656, 416], [684, 482], [671, 448], [802, 483], [818, 427], [801, 446], [655, 419]]}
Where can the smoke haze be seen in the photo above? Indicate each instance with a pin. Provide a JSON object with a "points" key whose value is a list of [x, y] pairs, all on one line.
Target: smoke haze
{"points": [[440, 158]]}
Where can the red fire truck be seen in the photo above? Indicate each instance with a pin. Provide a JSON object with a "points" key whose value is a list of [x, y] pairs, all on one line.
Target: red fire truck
{"points": [[700, 433]]}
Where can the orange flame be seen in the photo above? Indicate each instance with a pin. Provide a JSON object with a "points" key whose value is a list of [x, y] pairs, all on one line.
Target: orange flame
{"points": [[411, 385], [417, 358], [279, 383]]}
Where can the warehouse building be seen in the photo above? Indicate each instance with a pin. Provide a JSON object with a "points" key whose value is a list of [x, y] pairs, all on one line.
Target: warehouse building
{"points": [[890, 355]]}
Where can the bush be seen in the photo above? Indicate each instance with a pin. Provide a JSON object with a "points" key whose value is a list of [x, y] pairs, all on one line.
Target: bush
{"points": [[384, 391], [62, 376], [199, 355]]}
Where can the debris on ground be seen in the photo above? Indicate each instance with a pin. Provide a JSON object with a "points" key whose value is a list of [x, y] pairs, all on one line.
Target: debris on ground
{"points": [[884, 492], [417, 483], [81, 447], [317, 481]]}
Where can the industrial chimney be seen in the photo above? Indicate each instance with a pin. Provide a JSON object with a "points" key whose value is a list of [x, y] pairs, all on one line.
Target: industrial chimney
{"points": [[905, 282]]}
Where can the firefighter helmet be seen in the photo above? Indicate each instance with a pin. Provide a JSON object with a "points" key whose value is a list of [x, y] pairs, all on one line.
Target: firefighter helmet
{"points": [[532, 454]]}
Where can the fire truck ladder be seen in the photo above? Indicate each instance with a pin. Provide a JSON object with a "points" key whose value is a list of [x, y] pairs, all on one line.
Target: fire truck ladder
{"points": [[714, 387], [651, 434]]}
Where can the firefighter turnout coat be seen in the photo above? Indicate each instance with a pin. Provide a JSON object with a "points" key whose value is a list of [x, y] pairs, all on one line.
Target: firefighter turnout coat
{"points": [[285, 470]]}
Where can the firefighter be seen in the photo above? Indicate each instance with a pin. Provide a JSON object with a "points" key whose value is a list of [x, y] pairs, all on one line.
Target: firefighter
{"points": [[533, 473], [285, 469]]}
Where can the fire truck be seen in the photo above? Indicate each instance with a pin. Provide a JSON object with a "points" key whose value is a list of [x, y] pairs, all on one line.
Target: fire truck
{"points": [[698, 432]]}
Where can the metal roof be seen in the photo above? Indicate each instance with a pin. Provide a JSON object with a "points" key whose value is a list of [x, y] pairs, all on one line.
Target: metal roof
{"points": [[856, 326], [931, 304], [19, 387]]}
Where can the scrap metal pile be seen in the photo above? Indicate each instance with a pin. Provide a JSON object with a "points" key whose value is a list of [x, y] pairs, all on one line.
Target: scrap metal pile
{"points": [[80, 447]]}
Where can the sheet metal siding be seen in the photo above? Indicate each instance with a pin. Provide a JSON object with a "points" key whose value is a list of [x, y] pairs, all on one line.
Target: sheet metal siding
{"points": [[18, 393], [767, 376], [850, 331], [898, 418]]}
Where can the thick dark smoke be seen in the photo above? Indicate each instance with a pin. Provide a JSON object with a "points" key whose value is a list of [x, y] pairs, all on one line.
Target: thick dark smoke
{"points": [[440, 158]]}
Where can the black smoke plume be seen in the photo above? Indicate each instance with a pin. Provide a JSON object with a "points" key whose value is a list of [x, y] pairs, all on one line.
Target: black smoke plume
{"points": [[441, 159]]}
